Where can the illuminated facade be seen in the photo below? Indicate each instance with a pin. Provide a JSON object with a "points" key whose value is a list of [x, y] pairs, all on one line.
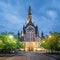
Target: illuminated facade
{"points": [[30, 34]]}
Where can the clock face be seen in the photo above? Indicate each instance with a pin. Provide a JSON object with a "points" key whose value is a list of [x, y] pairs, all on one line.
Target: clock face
{"points": [[30, 29]]}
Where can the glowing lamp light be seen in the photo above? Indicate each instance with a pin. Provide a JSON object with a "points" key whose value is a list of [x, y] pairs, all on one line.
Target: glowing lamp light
{"points": [[0, 40], [38, 49], [43, 41], [11, 36], [49, 36], [22, 49]]}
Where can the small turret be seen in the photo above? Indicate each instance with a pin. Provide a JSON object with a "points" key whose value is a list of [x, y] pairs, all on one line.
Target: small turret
{"points": [[37, 32], [22, 36], [42, 35], [24, 29], [18, 35]]}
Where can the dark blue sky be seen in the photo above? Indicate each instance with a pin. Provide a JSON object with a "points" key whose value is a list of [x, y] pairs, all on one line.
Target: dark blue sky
{"points": [[46, 14]]}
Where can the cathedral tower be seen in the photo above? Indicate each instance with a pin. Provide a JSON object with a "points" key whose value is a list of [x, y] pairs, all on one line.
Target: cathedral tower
{"points": [[29, 19], [30, 30], [30, 34]]}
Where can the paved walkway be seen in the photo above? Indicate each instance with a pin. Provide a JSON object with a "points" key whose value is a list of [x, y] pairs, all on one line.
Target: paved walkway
{"points": [[28, 56]]}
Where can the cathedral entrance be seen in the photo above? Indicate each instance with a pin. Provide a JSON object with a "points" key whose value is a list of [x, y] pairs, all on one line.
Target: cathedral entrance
{"points": [[30, 46], [30, 49]]}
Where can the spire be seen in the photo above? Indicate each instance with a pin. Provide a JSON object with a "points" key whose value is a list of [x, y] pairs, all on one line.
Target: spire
{"points": [[42, 35], [29, 15], [18, 33], [29, 12], [22, 34], [37, 32]]}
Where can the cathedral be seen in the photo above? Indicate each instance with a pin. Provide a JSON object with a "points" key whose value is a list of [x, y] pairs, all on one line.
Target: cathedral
{"points": [[30, 34]]}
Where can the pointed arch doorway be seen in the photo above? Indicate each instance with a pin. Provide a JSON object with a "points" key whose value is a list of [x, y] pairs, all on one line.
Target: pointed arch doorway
{"points": [[30, 46], [30, 49]]}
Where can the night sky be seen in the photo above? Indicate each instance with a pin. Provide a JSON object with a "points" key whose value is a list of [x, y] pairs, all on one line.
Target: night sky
{"points": [[14, 13]]}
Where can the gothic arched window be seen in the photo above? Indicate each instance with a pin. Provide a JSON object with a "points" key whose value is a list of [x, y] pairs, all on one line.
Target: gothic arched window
{"points": [[30, 32], [30, 29]]}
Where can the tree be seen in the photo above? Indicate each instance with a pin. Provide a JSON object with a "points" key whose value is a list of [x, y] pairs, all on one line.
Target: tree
{"points": [[9, 41], [52, 42]]}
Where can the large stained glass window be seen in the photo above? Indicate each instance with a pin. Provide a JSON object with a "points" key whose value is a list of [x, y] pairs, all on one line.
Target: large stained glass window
{"points": [[30, 34]]}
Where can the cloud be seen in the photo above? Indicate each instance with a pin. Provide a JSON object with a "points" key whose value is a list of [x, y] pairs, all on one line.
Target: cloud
{"points": [[45, 14], [52, 14], [10, 18]]}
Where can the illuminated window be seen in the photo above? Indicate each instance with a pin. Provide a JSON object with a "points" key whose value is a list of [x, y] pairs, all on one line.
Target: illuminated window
{"points": [[30, 34]]}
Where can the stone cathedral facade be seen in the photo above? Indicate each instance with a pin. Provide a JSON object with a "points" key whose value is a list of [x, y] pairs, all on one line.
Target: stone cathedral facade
{"points": [[30, 34]]}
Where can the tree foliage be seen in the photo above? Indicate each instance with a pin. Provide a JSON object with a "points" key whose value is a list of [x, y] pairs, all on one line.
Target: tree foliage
{"points": [[9, 41], [52, 42]]}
